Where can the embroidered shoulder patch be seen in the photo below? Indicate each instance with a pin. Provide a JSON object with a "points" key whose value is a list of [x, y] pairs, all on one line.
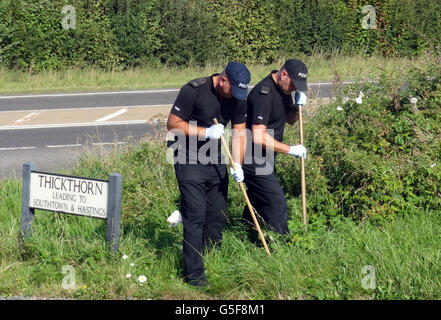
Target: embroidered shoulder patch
{"points": [[265, 90], [198, 82]]}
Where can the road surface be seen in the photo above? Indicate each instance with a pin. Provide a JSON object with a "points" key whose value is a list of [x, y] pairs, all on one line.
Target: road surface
{"points": [[54, 130]]}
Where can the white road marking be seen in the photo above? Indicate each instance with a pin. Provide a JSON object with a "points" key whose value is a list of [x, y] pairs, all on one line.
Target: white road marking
{"points": [[28, 117], [94, 108], [65, 146], [55, 95], [79, 94], [62, 146], [66, 125], [107, 143], [329, 83], [17, 148], [112, 115]]}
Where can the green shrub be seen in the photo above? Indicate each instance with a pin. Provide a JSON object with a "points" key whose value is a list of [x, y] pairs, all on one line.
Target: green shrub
{"points": [[123, 33], [248, 29], [29, 35], [137, 29], [190, 34], [411, 27], [95, 43], [32, 36], [305, 26], [376, 159]]}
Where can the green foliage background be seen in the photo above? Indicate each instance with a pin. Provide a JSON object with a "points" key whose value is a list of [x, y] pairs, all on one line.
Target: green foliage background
{"points": [[116, 34], [377, 159]]}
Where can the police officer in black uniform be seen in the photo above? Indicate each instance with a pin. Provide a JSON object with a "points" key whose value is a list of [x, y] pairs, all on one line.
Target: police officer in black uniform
{"points": [[270, 107], [200, 169]]}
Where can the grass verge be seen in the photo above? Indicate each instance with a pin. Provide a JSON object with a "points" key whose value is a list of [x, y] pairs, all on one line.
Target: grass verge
{"points": [[321, 68], [373, 215], [327, 263]]}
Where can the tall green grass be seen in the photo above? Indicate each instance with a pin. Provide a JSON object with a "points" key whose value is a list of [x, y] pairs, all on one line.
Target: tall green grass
{"points": [[373, 201], [322, 67], [322, 263]]}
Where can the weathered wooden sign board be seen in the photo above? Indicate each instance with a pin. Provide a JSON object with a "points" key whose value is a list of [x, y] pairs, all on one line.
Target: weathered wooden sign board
{"points": [[86, 197]]}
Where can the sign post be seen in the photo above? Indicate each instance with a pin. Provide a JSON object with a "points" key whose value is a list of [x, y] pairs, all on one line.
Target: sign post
{"points": [[27, 213], [114, 211], [92, 198]]}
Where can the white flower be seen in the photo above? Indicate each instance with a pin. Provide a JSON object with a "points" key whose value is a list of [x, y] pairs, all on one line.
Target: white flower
{"points": [[413, 100], [339, 108], [132, 264], [142, 279], [433, 165], [125, 257], [129, 275], [359, 100]]}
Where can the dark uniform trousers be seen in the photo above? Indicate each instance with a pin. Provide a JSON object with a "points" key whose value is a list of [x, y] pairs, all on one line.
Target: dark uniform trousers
{"points": [[204, 190], [267, 198]]}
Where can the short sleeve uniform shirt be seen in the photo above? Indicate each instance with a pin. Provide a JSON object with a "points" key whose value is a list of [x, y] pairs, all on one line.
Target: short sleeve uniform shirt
{"points": [[268, 105], [198, 103]]}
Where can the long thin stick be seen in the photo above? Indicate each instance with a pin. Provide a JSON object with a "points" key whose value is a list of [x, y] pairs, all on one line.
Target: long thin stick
{"points": [[245, 195], [302, 167]]}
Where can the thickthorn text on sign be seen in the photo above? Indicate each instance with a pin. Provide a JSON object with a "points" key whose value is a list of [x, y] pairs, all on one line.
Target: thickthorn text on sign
{"points": [[72, 195]]}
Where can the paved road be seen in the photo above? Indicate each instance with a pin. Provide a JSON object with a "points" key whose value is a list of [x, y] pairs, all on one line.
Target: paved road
{"points": [[115, 98], [54, 130], [87, 99], [56, 149]]}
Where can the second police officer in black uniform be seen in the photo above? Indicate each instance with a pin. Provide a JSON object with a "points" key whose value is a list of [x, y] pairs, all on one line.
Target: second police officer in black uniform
{"points": [[270, 107], [201, 174]]}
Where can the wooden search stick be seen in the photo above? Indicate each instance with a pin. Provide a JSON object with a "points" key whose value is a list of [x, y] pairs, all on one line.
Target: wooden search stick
{"points": [[302, 166], [245, 194]]}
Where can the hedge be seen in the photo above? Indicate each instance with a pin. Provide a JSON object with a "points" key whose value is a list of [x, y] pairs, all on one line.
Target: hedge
{"points": [[113, 34]]}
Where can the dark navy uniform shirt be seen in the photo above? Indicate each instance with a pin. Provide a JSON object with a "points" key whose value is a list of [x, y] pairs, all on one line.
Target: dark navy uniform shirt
{"points": [[268, 105], [198, 102]]}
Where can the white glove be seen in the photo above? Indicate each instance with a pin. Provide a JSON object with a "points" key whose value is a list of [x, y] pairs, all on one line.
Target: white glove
{"points": [[300, 99], [215, 131], [175, 218], [238, 174], [297, 151]]}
